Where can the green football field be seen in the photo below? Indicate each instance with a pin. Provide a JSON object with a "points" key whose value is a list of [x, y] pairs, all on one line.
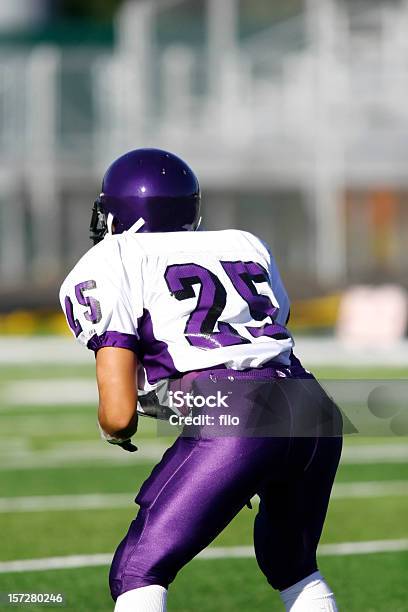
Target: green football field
{"points": [[66, 494]]}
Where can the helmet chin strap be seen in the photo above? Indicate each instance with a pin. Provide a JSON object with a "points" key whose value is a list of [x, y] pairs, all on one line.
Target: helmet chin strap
{"points": [[136, 226], [109, 223]]}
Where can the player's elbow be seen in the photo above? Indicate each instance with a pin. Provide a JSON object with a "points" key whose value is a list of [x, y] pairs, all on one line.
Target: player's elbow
{"points": [[117, 387], [120, 423]]}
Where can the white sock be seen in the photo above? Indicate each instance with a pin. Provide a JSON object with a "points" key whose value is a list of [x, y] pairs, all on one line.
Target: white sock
{"points": [[312, 594], [150, 598]]}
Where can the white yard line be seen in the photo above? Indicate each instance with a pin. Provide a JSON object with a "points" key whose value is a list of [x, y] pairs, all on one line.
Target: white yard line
{"points": [[325, 550], [46, 503], [52, 350], [230, 552], [49, 392], [375, 453], [99, 501], [15, 455], [45, 392], [363, 548], [49, 563], [367, 489], [311, 350]]}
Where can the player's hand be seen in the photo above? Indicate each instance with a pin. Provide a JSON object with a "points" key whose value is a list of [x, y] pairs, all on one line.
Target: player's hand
{"points": [[148, 405], [127, 445]]}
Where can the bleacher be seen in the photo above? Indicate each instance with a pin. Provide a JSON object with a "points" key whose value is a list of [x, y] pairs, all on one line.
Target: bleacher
{"points": [[292, 136]]}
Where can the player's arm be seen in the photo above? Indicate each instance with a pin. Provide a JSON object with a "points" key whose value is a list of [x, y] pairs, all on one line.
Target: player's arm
{"points": [[116, 373]]}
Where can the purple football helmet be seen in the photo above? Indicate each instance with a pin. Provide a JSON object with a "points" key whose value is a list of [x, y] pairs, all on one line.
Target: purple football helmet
{"points": [[149, 190]]}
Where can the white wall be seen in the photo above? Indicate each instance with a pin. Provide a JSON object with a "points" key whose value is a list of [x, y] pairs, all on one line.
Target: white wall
{"points": [[21, 13]]}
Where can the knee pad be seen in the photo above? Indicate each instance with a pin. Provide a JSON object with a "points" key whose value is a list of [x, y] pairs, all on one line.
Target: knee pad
{"points": [[135, 566], [282, 562], [121, 557]]}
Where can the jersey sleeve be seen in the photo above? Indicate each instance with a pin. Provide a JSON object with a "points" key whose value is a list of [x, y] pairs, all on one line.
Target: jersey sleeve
{"points": [[98, 303], [278, 287]]}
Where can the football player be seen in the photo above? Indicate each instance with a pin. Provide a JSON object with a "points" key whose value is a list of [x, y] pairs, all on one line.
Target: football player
{"points": [[157, 300]]}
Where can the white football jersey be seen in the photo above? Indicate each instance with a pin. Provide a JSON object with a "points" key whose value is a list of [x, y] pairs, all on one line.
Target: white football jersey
{"points": [[182, 301]]}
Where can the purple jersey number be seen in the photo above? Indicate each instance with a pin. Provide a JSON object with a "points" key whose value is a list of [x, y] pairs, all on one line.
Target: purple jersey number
{"points": [[212, 298], [94, 315], [245, 276], [72, 321], [199, 330]]}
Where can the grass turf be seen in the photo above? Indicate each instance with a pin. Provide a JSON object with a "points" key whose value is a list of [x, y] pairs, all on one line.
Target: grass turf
{"points": [[42, 534], [373, 583]]}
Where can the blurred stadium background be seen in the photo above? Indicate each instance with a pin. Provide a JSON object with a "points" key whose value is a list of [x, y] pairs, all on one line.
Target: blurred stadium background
{"points": [[294, 115]]}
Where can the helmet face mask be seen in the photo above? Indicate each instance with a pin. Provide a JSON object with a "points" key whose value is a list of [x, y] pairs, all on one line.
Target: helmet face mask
{"points": [[99, 224], [149, 190]]}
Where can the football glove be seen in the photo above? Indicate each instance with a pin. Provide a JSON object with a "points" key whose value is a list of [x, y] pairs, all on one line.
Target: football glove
{"points": [[149, 405], [127, 445]]}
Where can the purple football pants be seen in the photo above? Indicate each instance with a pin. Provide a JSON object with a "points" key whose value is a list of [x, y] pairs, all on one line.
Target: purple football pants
{"points": [[202, 483]]}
